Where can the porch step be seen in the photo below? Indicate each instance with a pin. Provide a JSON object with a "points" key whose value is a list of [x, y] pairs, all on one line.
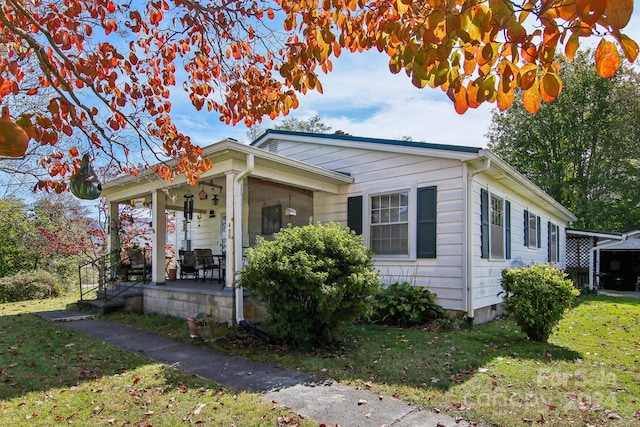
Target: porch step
{"points": [[103, 306], [111, 302]]}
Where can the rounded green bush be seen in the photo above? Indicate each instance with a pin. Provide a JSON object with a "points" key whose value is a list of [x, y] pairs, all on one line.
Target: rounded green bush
{"points": [[537, 297], [38, 284], [312, 280], [402, 304]]}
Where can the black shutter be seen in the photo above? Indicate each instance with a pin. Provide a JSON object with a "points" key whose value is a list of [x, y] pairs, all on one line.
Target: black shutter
{"points": [[507, 229], [484, 222], [426, 223], [526, 227], [538, 231], [548, 241], [354, 214]]}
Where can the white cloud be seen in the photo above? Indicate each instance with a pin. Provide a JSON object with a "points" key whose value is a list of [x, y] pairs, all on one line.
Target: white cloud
{"points": [[363, 98]]}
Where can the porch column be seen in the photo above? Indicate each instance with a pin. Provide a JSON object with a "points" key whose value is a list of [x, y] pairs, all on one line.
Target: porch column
{"points": [[158, 202], [113, 226], [229, 189]]}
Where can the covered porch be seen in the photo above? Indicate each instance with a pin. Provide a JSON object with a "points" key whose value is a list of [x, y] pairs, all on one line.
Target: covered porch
{"points": [[249, 192]]}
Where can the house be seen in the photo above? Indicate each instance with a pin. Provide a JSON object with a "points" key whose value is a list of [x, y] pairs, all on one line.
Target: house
{"points": [[448, 218]]}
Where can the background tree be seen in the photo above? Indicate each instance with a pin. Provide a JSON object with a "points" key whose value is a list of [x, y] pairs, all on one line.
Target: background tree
{"points": [[53, 234], [112, 66], [582, 148], [313, 124]]}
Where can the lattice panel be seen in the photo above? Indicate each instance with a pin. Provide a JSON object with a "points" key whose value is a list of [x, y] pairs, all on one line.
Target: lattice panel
{"points": [[578, 250]]}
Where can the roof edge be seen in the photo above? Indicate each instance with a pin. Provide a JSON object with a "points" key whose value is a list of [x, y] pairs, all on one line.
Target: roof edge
{"points": [[271, 133]]}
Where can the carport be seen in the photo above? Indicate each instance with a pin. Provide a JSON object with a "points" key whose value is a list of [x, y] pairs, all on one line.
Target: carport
{"points": [[616, 265]]}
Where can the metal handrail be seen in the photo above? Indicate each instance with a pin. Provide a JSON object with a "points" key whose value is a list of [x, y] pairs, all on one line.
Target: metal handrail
{"points": [[107, 267]]}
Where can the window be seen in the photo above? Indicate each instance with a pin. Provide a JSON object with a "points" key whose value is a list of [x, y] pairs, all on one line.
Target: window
{"points": [[531, 230], [496, 237], [554, 242], [390, 224], [271, 219], [496, 226]]}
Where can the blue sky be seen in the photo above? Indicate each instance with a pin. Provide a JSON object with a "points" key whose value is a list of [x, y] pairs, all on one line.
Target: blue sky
{"points": [[363, 98]]}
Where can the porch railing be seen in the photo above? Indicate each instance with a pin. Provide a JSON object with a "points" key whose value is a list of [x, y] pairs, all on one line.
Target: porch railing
{"points": [[100, 276]]}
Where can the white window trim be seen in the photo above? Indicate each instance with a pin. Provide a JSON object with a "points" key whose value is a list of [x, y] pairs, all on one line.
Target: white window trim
{"points": [[366, 226], [504, 228], [538, 220], [557, 252]]}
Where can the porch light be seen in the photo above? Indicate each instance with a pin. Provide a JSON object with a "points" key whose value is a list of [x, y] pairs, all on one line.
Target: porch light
{"points": [[290, 212]]}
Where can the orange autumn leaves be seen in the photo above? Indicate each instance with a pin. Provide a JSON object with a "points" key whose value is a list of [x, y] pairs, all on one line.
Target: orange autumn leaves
{"points": [[475, 51], [234, 60]]}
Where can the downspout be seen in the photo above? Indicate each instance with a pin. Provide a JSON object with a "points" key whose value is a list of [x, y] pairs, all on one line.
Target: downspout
{"points": [[467, 253], [237, 232]]}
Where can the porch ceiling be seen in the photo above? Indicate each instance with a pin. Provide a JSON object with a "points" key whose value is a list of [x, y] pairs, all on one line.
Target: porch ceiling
{"points": [[229, 155]]}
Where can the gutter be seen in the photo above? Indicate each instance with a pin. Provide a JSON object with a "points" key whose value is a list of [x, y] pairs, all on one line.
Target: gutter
{"points": [[467, 253], [237, 231]]}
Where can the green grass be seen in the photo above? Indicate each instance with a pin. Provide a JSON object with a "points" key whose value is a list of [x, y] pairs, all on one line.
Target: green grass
{"points": [[588, 373], [50, 375]]}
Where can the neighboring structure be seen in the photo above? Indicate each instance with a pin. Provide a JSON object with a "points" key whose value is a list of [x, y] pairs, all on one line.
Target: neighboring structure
{"points": [[580, 257], [615, 264], [448, 218]]}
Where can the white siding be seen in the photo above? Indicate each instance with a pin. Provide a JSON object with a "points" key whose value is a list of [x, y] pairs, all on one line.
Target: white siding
{"points": [[378, 172], [487, 273]]}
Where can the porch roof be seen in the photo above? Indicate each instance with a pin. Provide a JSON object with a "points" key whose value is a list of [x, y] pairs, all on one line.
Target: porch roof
{"points": [[230, 155], [630, 242]]}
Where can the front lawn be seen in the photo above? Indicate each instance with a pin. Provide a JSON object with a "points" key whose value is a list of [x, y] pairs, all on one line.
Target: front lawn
{"points": [[50, 375], [588, 373]]}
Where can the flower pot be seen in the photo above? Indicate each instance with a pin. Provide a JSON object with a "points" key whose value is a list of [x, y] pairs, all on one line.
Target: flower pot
{"points": [[193, 328], [213, 331], [172, 274]]}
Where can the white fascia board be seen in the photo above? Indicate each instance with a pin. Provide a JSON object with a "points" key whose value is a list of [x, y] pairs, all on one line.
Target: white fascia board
{"points": [[597, 234], [126, 187], [530, 188], [361, 143]]}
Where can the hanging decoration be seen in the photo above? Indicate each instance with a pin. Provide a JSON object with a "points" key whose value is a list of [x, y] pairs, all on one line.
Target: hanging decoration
{"points": [[203, 195], [85, 184], [14, 140], [188, 207]]}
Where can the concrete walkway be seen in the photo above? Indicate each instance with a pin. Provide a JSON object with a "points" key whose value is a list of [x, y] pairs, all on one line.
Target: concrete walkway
{"points": [[333, 404]]}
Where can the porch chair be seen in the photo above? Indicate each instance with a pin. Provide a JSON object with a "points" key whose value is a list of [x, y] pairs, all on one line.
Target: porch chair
{"points": [[206, 261], [187, 262], [137, 264]]}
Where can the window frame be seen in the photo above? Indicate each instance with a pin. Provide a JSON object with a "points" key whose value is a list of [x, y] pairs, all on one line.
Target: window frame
{"points": [[532, 234], [486, 225], [554, 243], [492, 215], [408, 223]]}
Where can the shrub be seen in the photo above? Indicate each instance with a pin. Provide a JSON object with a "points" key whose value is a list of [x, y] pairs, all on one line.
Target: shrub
{"points": [[38, 284], [537, 297], [312, 280], [402, 304]]}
